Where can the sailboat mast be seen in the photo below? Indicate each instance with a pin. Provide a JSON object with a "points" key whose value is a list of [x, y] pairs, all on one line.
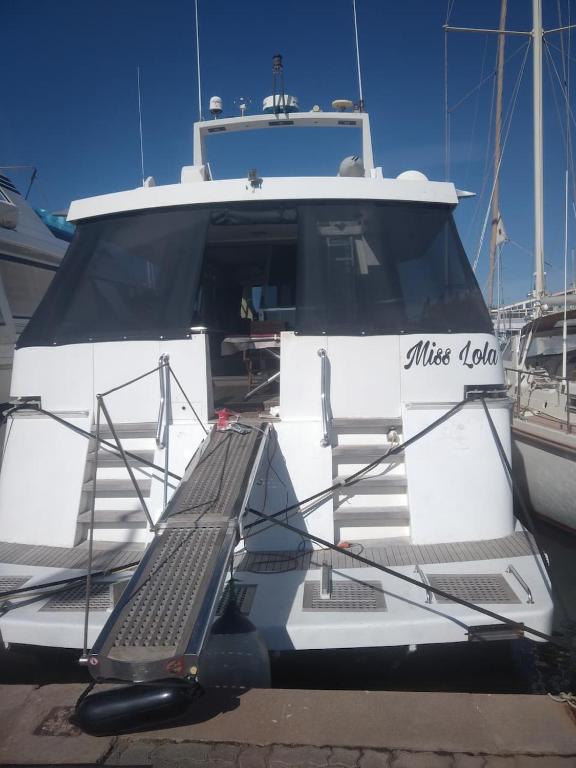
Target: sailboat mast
{"points": [[497, 152], [539, 284]]}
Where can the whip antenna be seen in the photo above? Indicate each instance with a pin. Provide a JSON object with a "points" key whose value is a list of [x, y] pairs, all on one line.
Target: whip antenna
{"points": [[361, 95], [140, 122], [198, 61]]}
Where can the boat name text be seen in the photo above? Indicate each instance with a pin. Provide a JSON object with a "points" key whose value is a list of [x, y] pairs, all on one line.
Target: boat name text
{"points": [[428, 353]]}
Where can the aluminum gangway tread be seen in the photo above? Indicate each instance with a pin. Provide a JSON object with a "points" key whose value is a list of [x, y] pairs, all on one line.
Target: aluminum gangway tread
{"points": [[159, 626]]}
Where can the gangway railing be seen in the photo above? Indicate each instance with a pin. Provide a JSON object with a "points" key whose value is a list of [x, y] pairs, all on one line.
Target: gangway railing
{"points": [[160, 625], [165, 372]]}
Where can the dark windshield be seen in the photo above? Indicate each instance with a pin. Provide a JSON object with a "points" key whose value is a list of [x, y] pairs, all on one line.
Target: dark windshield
{"points": [[347, 268], [385, 268]]}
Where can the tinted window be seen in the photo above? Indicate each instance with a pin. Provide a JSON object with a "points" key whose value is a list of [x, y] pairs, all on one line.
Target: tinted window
{"points": [[384, 268], [130, 276], [345, 268]]}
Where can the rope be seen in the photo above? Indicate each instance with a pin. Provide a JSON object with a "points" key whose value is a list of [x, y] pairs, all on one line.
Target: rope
{"points": [[403, 577], [198, 419], [273, 519], [66, 583], [90, 436], [564, 698], [357, 476]]}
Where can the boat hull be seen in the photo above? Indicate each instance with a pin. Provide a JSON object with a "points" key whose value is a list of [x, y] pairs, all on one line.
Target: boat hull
{"points": [[544, 463]]}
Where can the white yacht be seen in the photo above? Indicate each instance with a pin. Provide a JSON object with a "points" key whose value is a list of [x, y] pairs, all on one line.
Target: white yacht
{"points": [[542, 373], [355, 484], [30, 254]]}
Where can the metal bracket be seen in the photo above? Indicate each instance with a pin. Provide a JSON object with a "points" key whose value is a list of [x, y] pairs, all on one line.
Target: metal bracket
{"points": [[424, 580]]}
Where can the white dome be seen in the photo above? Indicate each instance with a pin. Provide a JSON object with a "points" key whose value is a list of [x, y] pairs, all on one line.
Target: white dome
{"points": [[412, 176]]}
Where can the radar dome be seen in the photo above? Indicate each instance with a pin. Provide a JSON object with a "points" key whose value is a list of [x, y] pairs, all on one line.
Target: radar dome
{"points": [[412, 176], [352, 167]]}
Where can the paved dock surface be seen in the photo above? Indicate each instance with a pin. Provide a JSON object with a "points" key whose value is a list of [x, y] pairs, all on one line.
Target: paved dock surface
{"points": [[303, 729]]}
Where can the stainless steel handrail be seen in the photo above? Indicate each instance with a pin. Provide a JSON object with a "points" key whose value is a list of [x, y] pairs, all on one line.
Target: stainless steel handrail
{"points": [[163, 425], [164, 375], [521, 581], [424, 580], [325, 442]]}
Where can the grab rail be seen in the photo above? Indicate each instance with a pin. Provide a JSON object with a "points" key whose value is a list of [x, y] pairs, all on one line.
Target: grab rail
{"points": [[162, 424], [521, 581], [424, 580], [325, 442]]}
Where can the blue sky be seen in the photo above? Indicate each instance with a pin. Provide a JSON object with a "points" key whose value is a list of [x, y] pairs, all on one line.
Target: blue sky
{"points": [[69, 103]]}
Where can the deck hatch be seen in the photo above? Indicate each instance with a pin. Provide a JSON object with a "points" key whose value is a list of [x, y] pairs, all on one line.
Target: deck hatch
{"points": [[473, 587], [12, 582], [346, 596], [74, 599]]}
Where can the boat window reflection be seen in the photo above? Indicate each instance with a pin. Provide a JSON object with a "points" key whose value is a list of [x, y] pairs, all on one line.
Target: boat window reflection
{"points": [[334, 267]]}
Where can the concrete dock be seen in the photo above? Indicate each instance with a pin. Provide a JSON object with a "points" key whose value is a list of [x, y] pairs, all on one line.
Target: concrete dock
{"points": [[302, 729]]}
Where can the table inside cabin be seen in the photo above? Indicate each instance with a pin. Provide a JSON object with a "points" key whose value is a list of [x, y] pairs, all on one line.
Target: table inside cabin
{"points": [[256, 341], [254, 348]]}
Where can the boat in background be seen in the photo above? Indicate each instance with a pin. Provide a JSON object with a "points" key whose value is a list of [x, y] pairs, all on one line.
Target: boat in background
{"points": [[32, 245], [542, 378], [538, 360]]}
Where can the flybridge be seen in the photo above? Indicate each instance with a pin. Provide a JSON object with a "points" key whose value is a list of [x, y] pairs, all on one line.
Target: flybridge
{"points": [[200, 171]]}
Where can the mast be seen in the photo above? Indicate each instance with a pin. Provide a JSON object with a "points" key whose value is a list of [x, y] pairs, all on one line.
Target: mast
{"points": [[539, 285], [497, 152]]}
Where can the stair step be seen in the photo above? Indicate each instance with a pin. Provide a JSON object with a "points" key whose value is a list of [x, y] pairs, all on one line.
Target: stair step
{"points": [[366, 485], [366, 425], [109, 459], [136, 429], [108, 518], [376, 516], [358, 453], [118, 488]]}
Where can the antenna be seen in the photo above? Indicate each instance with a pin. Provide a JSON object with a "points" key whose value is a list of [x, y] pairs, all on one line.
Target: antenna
{"points": [[140, 121], [198, 61], [279, 104], [361, 102]]}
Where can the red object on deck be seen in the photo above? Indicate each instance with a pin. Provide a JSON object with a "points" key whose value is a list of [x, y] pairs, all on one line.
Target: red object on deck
{"points": [[224, 416]]}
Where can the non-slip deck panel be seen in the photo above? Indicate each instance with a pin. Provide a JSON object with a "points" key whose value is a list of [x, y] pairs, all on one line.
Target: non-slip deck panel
{"points": [[212, 488], [516, 545], [474, 587], [74, 599], [111, 555], [163, 599]]}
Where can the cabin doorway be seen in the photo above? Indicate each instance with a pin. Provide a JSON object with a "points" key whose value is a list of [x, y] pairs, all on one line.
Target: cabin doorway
{"points": [[247, 298]]}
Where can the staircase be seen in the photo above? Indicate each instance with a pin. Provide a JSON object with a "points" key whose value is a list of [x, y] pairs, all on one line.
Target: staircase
{"points": [[376, 507], [118, 512]]}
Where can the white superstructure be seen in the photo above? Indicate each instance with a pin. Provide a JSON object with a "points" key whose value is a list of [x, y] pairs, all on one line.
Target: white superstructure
{"points": [[354, 293]]}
